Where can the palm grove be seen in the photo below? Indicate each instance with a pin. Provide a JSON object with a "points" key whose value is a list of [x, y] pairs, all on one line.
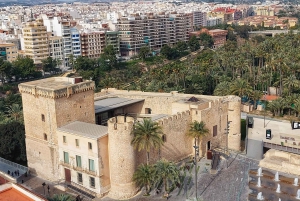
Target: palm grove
{"points": [[245, 68]]}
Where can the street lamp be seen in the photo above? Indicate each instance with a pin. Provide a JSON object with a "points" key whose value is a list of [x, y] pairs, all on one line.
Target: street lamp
{"points": [[43, 184], [195, 161], [265, 105]]}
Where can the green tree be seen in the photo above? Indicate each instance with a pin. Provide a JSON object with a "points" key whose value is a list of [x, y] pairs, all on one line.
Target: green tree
{"points": [[240, 88], [109, 54], [12, 138], [181, 46], [206, 40], [49, 65], [144, 52], [198, 130], [167, 172], [222, 89], [5, 70], [256, 95], [61, 197], [23, 67], [144, 177], [15, 111], [147, 134], [291, 83], [194, 44]]}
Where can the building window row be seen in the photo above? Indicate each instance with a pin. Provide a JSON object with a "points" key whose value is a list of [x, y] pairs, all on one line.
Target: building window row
{"points": [[90, 145]]}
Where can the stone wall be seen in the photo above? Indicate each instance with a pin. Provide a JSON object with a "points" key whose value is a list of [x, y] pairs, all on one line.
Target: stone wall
{"points": [[122, 158], [214, 115], [177, 145]]}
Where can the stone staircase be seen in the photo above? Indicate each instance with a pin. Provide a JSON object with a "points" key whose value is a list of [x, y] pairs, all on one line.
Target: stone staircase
{"points": [[81, 190]]}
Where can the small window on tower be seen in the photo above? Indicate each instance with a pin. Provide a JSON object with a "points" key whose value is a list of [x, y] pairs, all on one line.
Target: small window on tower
{"points": [[43, 117], [45, 136]]}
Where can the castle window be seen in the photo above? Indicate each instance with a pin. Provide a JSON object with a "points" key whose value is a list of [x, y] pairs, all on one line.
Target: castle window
{"points": [[79, 177], [215, 130], [148, 110], [90, 146], [66, 157], [45, 136], [164, 138], [92, 182], [77, 142], [64, 139], [78, 161], [91, 165], [43, 117]]}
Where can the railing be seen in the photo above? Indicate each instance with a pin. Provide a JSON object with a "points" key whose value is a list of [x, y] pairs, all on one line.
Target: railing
{"points": [[21, 167], [282, 148], [81, 189]]}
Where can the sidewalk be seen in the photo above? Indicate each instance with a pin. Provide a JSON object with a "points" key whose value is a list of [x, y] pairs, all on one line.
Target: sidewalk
{"points": [[35, 184]]}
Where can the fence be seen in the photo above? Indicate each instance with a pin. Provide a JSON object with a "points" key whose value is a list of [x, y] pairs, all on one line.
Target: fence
{"points": [[20, 167]]}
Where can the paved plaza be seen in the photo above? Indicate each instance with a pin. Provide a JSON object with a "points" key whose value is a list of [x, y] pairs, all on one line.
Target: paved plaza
{"points": [[229, 184]]}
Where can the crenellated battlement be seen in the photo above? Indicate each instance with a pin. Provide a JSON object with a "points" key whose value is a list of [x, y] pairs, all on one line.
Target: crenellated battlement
{"points": [[174, 117], [56, 91]]}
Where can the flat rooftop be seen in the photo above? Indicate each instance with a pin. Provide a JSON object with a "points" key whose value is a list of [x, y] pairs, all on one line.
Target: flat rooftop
{"points": [[83, 129], [111, 103], [281, 130], [53, 83]]}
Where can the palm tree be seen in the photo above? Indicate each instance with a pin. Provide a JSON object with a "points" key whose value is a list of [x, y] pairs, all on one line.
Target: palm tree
{"points": [[291, 82], [167, 172], [222, 89], [14, 110], [297, 107], [61, 197], [198, 130], [256, 95], [147, 135], [143, 177], [240, 87]]}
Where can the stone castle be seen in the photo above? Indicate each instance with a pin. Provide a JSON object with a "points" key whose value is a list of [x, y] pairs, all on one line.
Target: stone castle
{"points": [[84, 138]]}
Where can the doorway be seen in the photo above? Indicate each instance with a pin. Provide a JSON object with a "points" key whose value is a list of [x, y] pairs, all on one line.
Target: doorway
{"points": [[208, 145], [68, 175]]}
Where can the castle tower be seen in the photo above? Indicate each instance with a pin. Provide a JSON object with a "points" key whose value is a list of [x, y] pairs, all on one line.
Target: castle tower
{"points": [[48, 104], [121, 157], [234, 115]]}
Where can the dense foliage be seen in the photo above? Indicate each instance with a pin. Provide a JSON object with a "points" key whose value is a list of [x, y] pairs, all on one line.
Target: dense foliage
{"points": [[245, 68], [12, 131]]}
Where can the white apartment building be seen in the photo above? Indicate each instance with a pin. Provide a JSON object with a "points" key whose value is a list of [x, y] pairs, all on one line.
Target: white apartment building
{"points": [[59, 27]]}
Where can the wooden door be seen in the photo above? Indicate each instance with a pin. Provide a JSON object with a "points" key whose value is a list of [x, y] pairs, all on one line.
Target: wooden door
{"points": [[67, 175]]}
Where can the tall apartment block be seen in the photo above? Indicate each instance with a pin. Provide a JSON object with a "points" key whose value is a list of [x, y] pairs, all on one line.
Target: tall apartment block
{"points": [[76, 46], [36, 41], [92, 43], [199, 18], [153, 31], [8, 52]]}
